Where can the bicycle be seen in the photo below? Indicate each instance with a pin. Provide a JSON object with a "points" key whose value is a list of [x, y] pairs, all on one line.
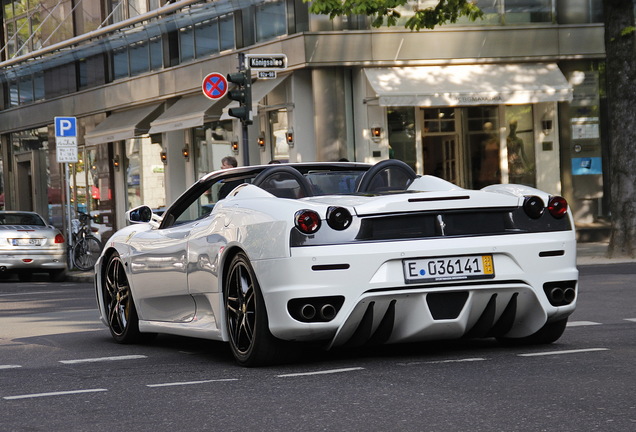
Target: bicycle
{"points": [[86, 247]]}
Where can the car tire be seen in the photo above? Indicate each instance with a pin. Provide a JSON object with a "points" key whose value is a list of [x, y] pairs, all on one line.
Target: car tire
{"points": [[57, 275], [118, 303], [246, 320], [548, 334]]}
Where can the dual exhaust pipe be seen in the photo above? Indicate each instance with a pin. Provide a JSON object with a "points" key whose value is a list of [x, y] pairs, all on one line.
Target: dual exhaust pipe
{"points": [[327, 312], [560, 295], [315, 309]]}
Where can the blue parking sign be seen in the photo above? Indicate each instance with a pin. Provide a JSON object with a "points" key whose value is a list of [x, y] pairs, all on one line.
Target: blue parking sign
{"points": [[65, 127]]}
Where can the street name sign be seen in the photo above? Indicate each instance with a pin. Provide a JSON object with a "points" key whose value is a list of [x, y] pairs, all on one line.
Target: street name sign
{"points": [[266, 61]]}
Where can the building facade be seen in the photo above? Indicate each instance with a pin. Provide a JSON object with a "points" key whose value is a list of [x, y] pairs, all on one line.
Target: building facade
{"points": [[516, 97]]}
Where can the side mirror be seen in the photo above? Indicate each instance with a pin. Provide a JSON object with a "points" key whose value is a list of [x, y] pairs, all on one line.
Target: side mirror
{"points": [[141, 214]]}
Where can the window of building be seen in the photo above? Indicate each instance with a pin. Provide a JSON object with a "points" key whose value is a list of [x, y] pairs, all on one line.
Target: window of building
{"points": [[120, 63], [207, 38], [155, 47], [226, 32], [520, 145], [211, 143], [271, 20], [30, 25], [144, 173], [496, 12], [139, 55], [278, 126], [483, 146], [186, 43], [401, 133]]}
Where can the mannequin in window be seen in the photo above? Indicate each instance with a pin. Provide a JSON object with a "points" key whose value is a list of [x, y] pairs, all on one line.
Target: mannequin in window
{"points": [[489, 172], [519, 167]]}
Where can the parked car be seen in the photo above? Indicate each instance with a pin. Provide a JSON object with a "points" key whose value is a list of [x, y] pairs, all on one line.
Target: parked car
{"points": [[341, 254], [28, 245]]}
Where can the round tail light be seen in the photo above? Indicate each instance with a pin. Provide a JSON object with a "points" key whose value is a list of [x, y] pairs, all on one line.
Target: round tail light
{"points": [[307, 221], [59, 238], [338, 218], [533, 206], [557, 206]]}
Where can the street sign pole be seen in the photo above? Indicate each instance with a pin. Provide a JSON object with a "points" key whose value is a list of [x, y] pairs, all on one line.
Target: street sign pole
{"points": [[66, 147], [244, 125], [69, 225]]}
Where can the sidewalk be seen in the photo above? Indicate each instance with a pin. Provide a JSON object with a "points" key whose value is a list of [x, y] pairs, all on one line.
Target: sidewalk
{"points": [[587, 254]]}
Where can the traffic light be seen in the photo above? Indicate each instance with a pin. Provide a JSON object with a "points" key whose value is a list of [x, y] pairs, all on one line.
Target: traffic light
{"points": [[242, 93]]}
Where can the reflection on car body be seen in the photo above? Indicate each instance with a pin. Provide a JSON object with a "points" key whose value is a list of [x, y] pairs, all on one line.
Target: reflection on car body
{"points": [[341, 254]]}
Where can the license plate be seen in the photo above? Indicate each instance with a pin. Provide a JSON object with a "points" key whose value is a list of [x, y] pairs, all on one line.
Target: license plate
{"points": [[26, 242], [448, 268]]}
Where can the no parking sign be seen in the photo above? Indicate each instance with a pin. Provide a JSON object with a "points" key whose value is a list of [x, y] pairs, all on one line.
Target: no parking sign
{"points": [[214, 85]]}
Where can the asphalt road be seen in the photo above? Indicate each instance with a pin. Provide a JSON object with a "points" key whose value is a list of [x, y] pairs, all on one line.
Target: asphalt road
{"points": [[60, 371]]}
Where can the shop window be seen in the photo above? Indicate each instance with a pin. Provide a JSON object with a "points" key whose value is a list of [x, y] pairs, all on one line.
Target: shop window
{"points": [[483, 146], [520, 145], [144, 174], [211, 144], [278, 125], [439, 120], [401, 124], [271, 21]]}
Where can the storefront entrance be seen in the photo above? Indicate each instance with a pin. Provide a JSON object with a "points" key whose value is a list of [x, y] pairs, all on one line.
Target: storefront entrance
{"points": [[468, 147]]}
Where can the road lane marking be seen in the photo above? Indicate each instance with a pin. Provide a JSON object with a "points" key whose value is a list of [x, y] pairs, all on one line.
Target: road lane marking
{"points": [[582, 323], [61, 393], [190, 382], [547, 353], [443, 361], [630, 319], [101, 359], [10, 366], [324, 372]]}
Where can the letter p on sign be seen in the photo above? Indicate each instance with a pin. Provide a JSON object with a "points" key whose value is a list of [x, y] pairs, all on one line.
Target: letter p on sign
{"points": [[65, 127]]}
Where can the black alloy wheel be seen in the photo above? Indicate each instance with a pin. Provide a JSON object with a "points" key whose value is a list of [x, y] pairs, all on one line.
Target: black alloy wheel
{"points": [[118, 303], [246, 318]]}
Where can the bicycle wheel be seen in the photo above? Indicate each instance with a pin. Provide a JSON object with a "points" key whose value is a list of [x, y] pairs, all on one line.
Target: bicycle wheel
{"points": [[86, 252]]}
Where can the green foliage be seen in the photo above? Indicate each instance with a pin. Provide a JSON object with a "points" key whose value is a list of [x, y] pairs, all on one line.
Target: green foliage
{"points": [[446, 11], [628, 31]]}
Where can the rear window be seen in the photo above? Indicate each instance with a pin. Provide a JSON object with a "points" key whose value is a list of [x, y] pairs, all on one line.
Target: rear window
{"points": [[21, 219]]}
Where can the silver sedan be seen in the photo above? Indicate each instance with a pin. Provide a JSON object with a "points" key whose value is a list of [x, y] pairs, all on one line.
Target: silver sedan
{"points": [[29, 245]]}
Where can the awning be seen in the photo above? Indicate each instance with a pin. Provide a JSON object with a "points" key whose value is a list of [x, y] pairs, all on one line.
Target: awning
{"points": [[260, 89], [469, 85], [123, 125], [186, 113]]}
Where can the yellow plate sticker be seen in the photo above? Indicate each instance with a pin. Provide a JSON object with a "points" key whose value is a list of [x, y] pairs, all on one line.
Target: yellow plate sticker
{"points": [[489, 268]]}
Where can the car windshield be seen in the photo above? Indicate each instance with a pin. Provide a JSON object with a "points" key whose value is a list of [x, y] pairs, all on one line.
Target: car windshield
{"points": [[21, 219], [319, 182]]}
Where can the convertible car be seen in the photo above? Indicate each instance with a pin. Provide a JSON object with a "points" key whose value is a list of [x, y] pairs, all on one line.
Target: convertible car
{"points": [[270, 257]]}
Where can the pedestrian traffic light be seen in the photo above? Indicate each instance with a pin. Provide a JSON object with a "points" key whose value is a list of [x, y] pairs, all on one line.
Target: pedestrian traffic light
{"points": [[242, 93]]}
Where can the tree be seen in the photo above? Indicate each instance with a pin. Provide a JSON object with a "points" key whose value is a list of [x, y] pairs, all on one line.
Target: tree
{"points": [[620, 51], [620, 48]]}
